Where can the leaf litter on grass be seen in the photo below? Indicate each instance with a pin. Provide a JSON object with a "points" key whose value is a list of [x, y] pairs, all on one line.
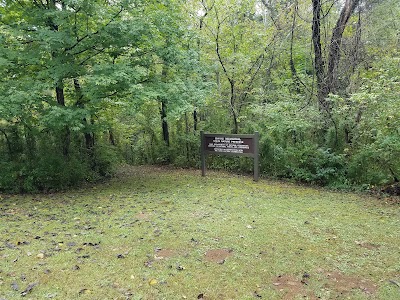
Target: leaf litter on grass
{"points": [[184, 227], [337, 285]]}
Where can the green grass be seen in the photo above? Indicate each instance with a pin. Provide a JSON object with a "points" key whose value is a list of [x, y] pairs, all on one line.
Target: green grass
{"points": [[101, 242]]}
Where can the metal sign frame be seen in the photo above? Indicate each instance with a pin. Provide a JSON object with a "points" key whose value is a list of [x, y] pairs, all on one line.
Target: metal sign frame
{"points": [[230, 145]]}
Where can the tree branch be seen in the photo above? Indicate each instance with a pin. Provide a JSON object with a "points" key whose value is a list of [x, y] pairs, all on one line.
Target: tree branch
{"points": [[91, 56], [79, 40]]}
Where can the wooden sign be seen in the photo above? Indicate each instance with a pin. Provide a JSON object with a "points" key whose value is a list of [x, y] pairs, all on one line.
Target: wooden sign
{"points": [[230, 144]]}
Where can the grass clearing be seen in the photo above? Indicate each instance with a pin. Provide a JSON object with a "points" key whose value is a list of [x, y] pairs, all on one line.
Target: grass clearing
{"points": [[155, 233]]}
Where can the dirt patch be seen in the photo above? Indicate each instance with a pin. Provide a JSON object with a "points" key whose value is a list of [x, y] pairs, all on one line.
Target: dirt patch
{"points": [[164, 253], [293, 287], [143, 216], [345, 283], [367, 245], [338, 283], [218, 255]]}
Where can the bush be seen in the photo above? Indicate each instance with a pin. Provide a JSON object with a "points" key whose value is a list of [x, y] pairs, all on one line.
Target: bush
{"points": [[49, 170], [377, 163], [302, 162], [8, 176], [320, 166]]}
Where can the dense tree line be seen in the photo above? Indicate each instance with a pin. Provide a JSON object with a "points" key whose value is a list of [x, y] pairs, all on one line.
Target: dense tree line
{"points": [[86, 85]]}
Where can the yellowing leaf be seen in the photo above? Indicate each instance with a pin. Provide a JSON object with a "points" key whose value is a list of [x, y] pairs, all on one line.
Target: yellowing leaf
{"points": [[153, 281]]}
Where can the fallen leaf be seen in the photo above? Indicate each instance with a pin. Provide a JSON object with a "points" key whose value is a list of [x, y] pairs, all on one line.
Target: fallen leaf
{"points": [[10, 246], [84, 291], [91, 244], [28, 289], [257, 295], [304, 279], [15, 286], [153, 281], [50, 296], [19, 243], [148, 264], [394, 282]]}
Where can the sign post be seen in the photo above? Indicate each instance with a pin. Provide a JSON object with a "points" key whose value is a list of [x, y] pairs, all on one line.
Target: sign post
{"points": [[230, 144]]}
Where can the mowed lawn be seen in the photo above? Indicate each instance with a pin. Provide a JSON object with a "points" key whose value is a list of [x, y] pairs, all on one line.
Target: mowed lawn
{"points": [[158, 233]]}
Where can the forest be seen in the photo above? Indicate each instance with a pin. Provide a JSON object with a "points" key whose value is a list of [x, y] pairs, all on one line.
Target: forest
{"points": [[88, 85]]}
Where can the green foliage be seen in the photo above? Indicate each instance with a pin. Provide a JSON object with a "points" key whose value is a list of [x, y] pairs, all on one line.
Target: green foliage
{"points": [[316, 165], [86, 85], [42, 168], [186, 149], [71, 71], [303, 162], [377, 135]]}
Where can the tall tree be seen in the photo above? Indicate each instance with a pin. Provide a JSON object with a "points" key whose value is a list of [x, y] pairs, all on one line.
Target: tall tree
{"points": [[243, 48], [64, 63], [326, 68]]}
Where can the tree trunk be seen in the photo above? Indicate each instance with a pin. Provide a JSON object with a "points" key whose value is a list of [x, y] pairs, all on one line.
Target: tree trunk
{"points": [[78, 93], [232, 101], [163, 110], [30, 142], [89, 141], [164, 123], [326, 79], [291, 61], [66, 134], [111, 137], [336, 41], [89, 136], [195, 120], [319, 64], [9, 147], [187, 131], [60, 93], [235, 121]]}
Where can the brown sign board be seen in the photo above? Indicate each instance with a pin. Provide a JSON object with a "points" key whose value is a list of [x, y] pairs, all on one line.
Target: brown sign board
{"points": [[230, 144], [225, 144]]}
